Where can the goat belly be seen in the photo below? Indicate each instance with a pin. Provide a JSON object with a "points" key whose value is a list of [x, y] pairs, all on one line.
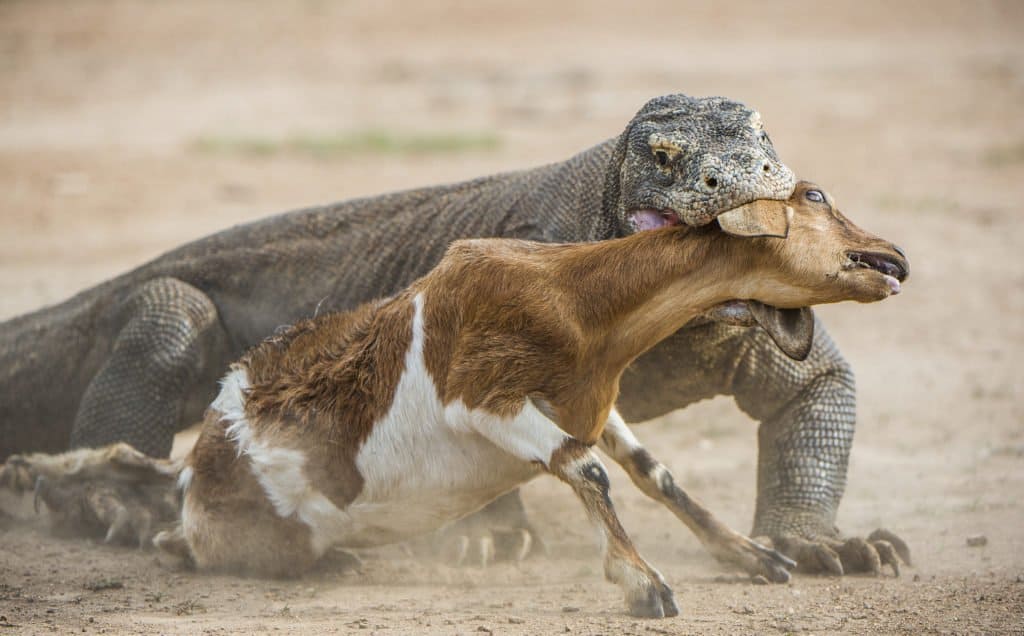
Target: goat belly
{"points": [[425, 480]]}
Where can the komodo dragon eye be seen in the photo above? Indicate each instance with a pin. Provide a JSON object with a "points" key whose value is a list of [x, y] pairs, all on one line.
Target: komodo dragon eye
{"points": [[661, 157], [815, 195]]}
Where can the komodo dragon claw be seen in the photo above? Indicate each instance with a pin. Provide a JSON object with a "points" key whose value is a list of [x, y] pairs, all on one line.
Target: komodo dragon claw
{"points": [[837, 556]]}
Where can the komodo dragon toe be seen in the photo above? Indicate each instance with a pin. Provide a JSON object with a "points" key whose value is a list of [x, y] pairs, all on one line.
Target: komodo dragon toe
{"points": [[839, 556]]}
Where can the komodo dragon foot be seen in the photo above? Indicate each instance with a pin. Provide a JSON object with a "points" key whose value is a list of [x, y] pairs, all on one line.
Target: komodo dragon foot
{"points": [[838, 556], [115, 492]]}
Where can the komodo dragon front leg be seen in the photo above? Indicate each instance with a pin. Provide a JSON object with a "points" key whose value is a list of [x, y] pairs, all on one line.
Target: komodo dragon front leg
{"points": [[807, 415]]}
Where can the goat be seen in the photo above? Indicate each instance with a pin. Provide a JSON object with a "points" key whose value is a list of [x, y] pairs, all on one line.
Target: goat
{"points": [[368, 427]]}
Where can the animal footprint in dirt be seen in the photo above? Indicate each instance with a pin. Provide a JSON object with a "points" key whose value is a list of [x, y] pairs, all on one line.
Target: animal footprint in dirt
{"points": [[115, 492]]}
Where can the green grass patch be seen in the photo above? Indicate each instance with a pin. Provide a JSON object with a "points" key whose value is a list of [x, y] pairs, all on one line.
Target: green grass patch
{"points": [[348, 144], [1005, 155]]}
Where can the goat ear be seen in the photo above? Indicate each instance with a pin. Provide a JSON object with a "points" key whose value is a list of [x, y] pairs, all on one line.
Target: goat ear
{"points": [[763, 217]]}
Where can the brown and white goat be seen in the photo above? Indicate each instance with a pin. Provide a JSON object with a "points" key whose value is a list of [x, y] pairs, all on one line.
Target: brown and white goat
{"points": [[372, 426]]}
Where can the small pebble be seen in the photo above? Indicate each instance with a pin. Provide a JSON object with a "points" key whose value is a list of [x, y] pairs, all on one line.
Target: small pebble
{"points": [[569, 609], [485, 629], [977, 540], [515, 620]]}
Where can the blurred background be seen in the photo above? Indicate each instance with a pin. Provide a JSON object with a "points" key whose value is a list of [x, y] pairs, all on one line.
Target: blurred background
{"points": [[128, 127]]}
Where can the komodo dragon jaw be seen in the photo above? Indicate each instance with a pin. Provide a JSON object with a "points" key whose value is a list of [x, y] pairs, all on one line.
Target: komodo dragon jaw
{"points": [[687, 160]]}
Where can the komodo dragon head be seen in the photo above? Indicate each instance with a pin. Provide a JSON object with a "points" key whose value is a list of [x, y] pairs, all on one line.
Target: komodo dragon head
{"points": [[688, 159]]}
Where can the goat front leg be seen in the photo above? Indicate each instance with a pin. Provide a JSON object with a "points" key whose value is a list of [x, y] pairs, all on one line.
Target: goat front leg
{"points": [[535, 438], [655, 481]]}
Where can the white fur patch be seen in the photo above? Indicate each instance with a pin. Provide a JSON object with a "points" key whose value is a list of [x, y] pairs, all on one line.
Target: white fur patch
{"points": [[185, 478], [618, 440], [230, 402], [530, 435]]}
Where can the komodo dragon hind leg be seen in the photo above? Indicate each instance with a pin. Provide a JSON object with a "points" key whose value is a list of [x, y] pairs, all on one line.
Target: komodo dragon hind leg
{"points": [[114, 492], [165, 357]]}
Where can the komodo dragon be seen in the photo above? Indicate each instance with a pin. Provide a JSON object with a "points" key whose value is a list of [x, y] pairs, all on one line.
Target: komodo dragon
{"points": [[136, 359]]}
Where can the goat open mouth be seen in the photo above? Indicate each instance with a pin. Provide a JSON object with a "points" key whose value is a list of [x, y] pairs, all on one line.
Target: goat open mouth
{"points": [[894, 271]]}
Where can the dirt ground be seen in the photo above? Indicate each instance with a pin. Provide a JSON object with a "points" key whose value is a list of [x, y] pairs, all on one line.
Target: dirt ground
{"points": [[128, 127]]}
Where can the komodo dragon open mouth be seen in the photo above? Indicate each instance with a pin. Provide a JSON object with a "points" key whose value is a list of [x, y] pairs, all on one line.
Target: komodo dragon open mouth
{"points": [[652, 219]]}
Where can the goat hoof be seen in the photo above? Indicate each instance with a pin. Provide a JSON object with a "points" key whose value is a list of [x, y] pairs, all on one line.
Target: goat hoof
{"points": [[668, 602], [647, 605], [655, 601]]}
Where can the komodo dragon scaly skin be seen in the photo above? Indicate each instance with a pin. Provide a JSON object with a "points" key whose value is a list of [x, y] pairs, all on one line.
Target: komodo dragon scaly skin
{"points": [[137, 358]]}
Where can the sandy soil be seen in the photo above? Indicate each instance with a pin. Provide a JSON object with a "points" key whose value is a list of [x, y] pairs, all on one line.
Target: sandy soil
{"points": [[129, 127]]}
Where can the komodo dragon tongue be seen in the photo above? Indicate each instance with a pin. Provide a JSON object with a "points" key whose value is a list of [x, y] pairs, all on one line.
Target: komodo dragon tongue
{"points": [[791, 329]]}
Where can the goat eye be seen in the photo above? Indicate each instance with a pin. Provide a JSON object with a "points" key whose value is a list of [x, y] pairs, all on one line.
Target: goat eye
{"points": [[815, 195], [661, 157]]}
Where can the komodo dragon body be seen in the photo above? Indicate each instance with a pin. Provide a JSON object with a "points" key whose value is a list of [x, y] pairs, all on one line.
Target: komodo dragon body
{"points": [[137, 358]]}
